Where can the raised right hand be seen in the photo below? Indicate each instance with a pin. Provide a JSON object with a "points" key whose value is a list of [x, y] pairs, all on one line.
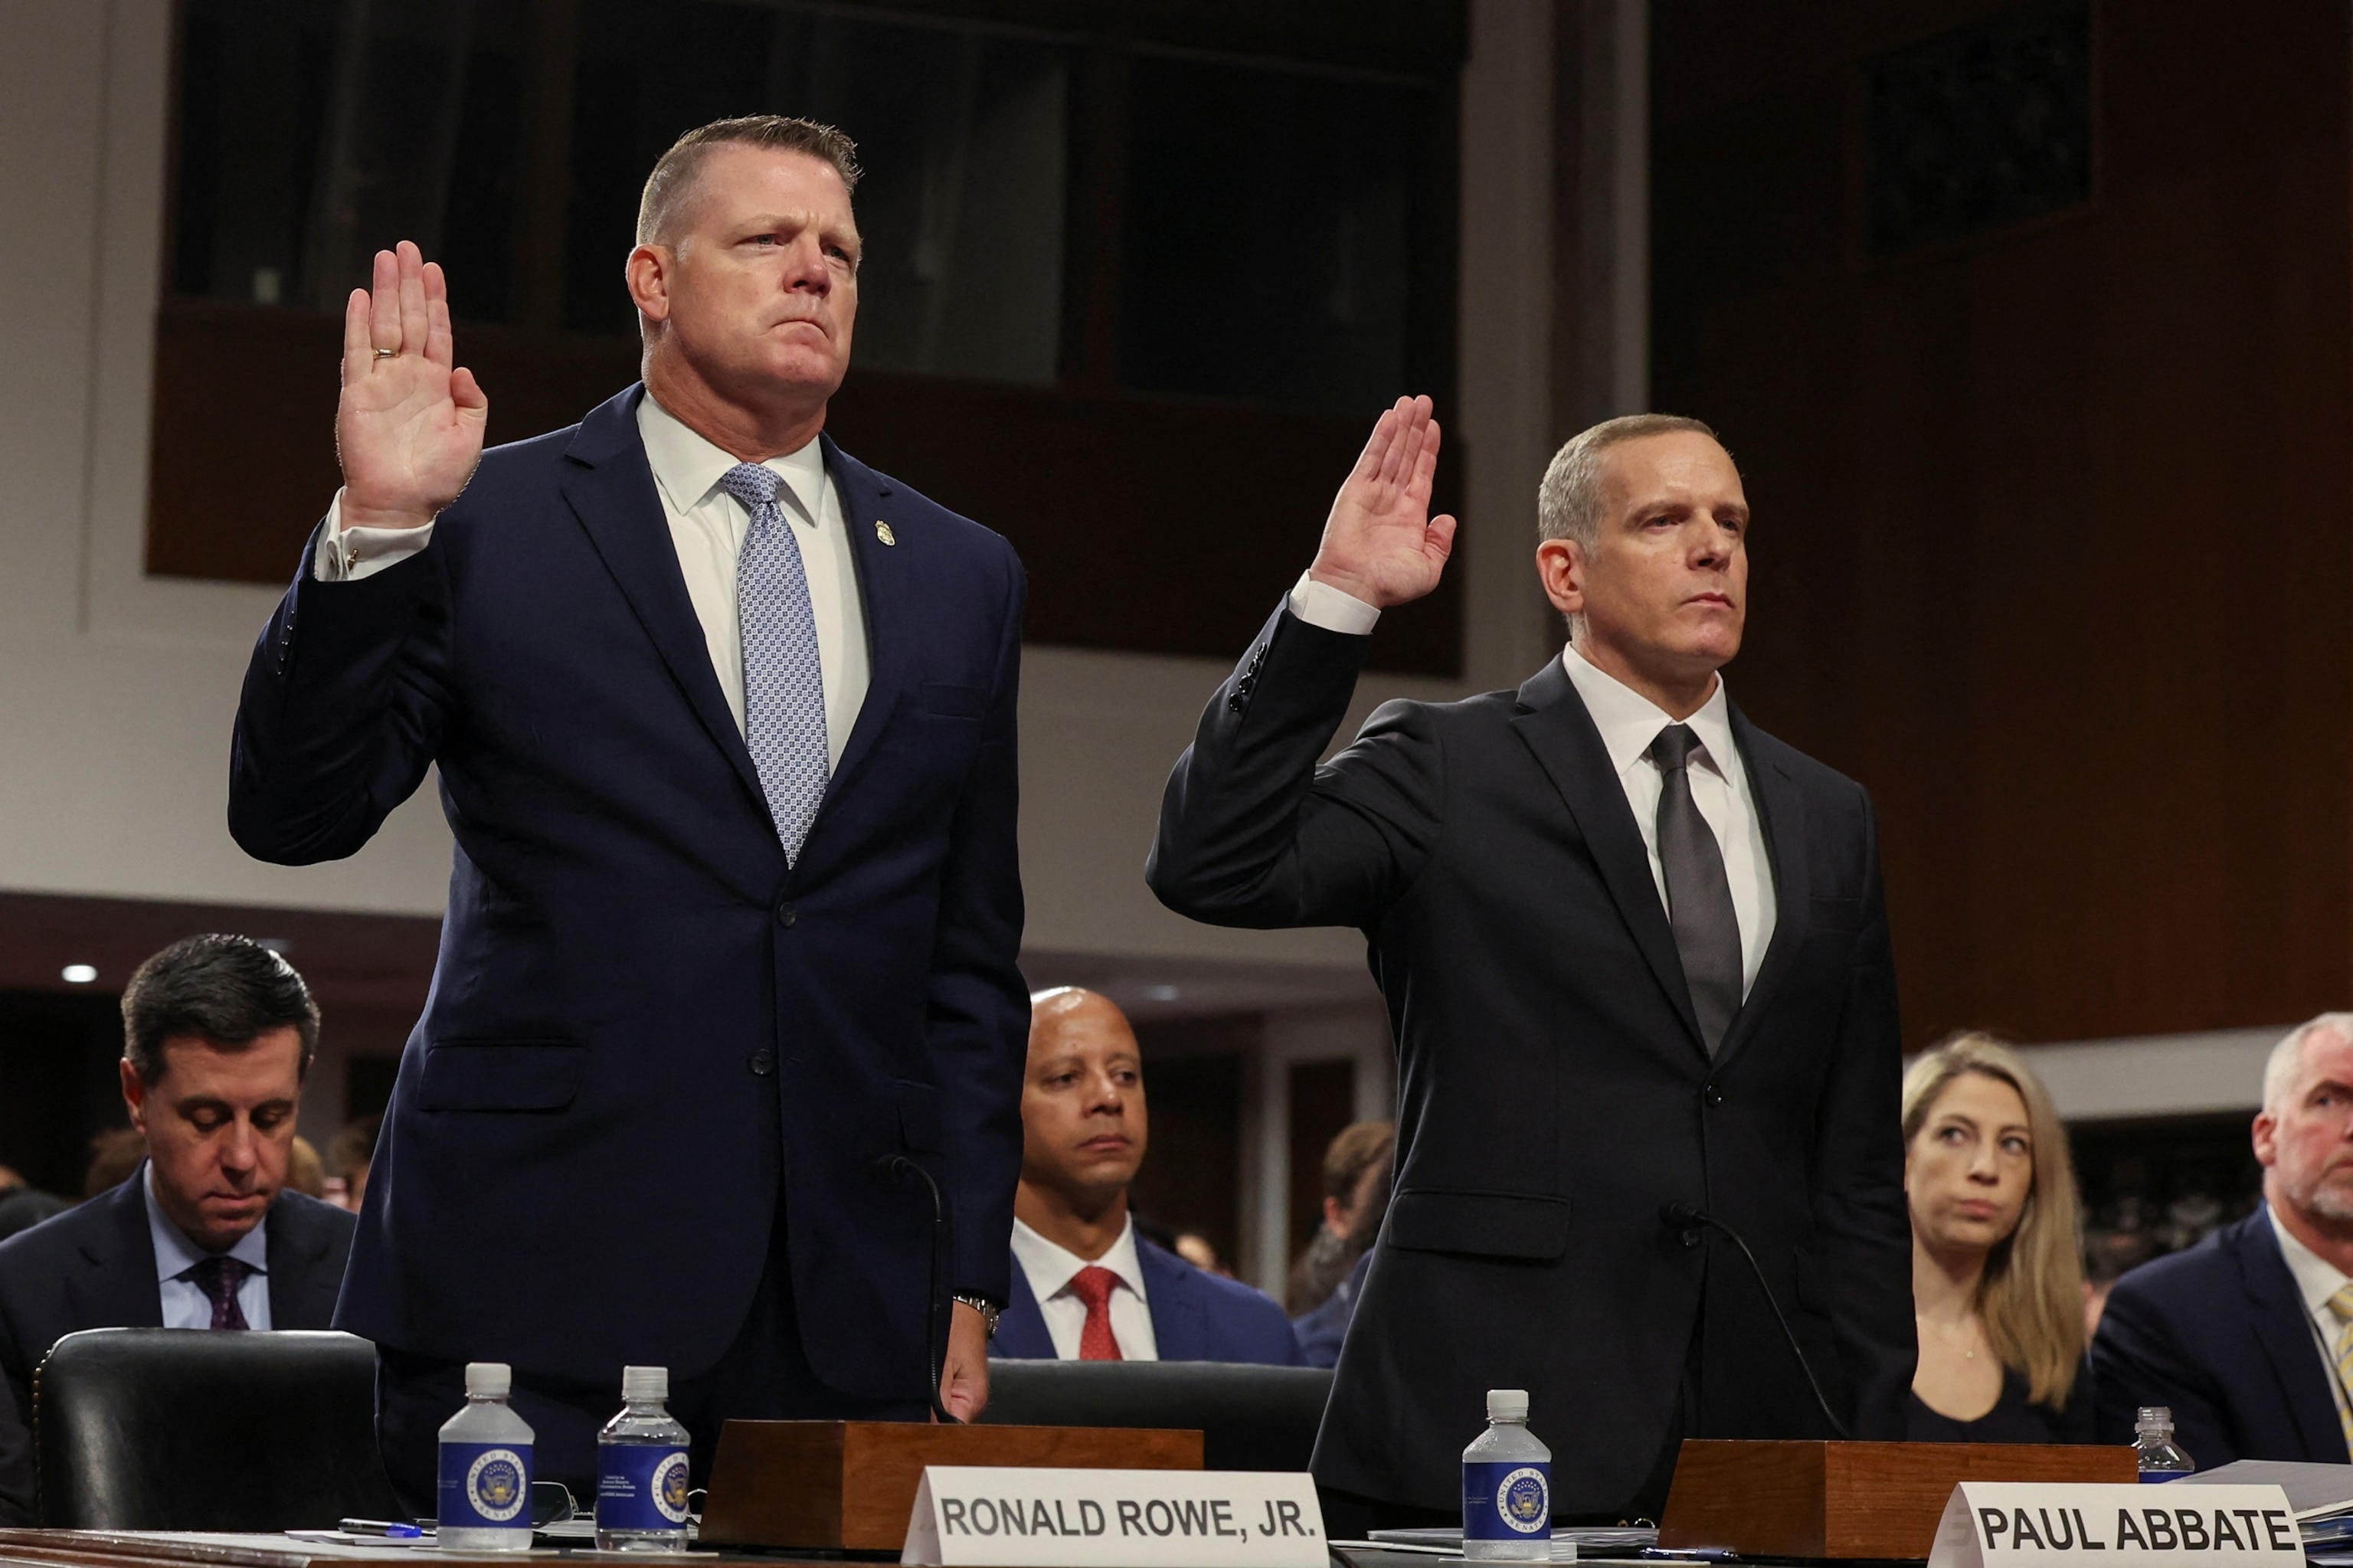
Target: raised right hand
{"points": [[408, 427], [1380, 544]]}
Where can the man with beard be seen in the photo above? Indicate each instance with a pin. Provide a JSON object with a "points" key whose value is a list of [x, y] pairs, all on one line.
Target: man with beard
{"points": [[2248, 1336]]}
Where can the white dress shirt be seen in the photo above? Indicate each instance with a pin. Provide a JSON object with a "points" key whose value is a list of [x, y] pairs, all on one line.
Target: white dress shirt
{"points": [[186, 1305], [2317, 1279], [1629, 723], [1049, 1267], [707, 526]]}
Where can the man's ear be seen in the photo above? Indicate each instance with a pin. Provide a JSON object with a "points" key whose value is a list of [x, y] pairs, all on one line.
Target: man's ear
{"points": [[2266, 1138], [134, 1095], [648, 275], [1560, 567]]}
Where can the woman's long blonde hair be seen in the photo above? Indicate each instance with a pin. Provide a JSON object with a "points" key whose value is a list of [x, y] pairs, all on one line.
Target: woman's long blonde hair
{"points": [[2031, 1297]]}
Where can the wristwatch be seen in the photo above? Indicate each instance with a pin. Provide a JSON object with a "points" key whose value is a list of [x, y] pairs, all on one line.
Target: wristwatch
{"points": [[989, 1311]]}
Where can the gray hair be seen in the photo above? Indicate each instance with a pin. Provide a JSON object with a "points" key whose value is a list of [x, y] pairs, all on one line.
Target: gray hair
{"points": [[1569, 502], [2287, 1059]]}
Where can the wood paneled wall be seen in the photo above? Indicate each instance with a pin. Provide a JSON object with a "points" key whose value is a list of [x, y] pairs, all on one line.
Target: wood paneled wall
{"points": [[2054, 524]]}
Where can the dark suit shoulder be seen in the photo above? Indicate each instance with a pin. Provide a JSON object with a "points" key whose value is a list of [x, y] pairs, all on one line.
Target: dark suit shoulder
{"points": [[116, 1218], [300, 1218], [1814, 777], [2197, 1276]]}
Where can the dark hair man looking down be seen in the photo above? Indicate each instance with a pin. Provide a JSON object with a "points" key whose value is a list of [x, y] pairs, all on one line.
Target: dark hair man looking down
{"points": [[724, 722], [1635, 953], [218, 1036]]}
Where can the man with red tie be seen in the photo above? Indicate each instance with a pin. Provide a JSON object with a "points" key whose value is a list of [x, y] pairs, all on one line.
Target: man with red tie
{"points": [[1086, 1286]]}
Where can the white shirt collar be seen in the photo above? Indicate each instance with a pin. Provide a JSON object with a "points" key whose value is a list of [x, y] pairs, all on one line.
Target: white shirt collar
{"points": [[1050, 1266], [176, 1253], [1630, 722], [689, 466], [2316, 1278]]}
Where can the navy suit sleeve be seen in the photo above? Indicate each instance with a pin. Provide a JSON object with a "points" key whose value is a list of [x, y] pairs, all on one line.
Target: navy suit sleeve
{"points": [[343, 709], [1253, 833], [2138, 1357], [979, 1004], [1860, 1215]]}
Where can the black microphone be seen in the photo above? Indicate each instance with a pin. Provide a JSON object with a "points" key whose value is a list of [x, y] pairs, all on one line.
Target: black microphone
{"points": [[888, 1169], [1681, 1217]]}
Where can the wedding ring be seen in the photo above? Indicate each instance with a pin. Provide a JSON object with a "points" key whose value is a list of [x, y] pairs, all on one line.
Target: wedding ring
{"points": [[387, 353]]}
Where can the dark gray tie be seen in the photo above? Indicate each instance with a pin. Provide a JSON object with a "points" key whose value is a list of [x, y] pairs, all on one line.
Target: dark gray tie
{"points": [[1699, 895]]}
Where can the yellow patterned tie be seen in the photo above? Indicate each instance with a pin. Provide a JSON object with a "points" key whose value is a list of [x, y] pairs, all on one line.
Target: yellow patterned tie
{"points": [[2341, 1306]]}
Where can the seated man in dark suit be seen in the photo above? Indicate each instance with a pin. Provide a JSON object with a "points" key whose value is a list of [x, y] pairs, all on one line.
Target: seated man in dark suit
{"points": [[2248, 1336], [1086, 1286], [218, 1032]]}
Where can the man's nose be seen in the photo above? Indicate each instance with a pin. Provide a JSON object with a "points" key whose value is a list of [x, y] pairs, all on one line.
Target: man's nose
{"points": [[808, 272], [239, 1152]]}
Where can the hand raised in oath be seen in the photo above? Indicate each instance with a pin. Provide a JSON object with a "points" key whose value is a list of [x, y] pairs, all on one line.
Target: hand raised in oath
{"points": [[1380, 544], [408, 427]]}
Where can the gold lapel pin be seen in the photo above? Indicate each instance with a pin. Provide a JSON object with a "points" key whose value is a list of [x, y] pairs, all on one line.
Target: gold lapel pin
{"points": [[882, 531]]}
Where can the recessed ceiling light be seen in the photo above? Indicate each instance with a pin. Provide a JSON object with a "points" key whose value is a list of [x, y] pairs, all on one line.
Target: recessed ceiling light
{"points": [[1161, 993], [79, 974]]}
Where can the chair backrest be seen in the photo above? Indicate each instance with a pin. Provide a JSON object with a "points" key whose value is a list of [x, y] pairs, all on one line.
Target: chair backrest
{"points": [[185, 1429], [1250, 1417]]}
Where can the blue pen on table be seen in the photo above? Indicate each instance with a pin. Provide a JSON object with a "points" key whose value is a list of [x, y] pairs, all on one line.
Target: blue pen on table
{"points": [[390, 1529], [1689, 1555]]}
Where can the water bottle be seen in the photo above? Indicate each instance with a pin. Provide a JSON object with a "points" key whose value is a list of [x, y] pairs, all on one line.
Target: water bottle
{"points": [[1507, 1487], [641, 1469], [2161, 1458], [485, 1494]]}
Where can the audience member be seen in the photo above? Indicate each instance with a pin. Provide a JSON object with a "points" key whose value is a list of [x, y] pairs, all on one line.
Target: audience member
{"points": [[2248, 1336], [305, 1172], [1086, 1286], [21, 1207], [2109, 1256], [1323, 1331], [1199, 1250], [218, 1034], [114, 1154], [1996, 1273], [349, 1154], [1349, 1164]]}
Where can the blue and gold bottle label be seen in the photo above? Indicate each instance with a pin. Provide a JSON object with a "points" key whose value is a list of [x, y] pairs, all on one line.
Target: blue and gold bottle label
{"points": [[640, 1486], [485, 1485], [1507, 1500]]}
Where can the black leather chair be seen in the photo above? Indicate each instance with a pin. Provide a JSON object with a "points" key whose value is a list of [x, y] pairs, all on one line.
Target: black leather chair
{"points": [[1250, 1417], [177, 1429]]}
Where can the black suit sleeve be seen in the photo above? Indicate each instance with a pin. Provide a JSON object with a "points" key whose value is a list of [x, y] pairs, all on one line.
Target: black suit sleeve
{"points": [[1864, 1229], [341, 712], [1253, 833], [18, 1505], [2138, 1359]]}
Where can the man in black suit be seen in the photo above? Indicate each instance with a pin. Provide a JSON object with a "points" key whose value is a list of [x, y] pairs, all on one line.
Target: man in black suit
{"points": [[1636, 956], [2248, 1336], [218, 1034]]}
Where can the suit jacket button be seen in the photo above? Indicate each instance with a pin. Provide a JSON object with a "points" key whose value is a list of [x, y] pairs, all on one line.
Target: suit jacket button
{"points": [[1711, 1096], [762, 1063], [786, 914]]}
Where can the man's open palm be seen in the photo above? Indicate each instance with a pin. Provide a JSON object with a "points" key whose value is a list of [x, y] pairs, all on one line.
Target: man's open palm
{"points": [[408, 427], [1380, 544]]}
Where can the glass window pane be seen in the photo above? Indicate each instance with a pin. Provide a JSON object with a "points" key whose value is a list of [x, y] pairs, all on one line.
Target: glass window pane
{"points": [[962, 133], [314, 133], [1268, 224]]}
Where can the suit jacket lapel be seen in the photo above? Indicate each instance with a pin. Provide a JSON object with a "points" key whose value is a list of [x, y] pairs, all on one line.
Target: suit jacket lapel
{"points": [[1021, 1330], [882, 588], [613, 495], [2286, 1334], [1178, 1332], [116, 1287], [1557, 727], [1783, 810]]}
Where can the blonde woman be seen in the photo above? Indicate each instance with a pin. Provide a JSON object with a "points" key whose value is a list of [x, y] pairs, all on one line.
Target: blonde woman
{"points": [[1997, 1274]]}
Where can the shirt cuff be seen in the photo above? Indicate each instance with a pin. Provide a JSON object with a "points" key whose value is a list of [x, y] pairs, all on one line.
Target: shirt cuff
{"points": [[1322, 605], [347, 555]]}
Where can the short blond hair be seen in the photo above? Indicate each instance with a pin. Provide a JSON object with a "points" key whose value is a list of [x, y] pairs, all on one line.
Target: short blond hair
{"points": [[1569, 502], [2031, 1297], [672, 180]]}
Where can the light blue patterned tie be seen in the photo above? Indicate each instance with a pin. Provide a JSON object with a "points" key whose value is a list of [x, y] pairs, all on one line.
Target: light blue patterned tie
{"points": [[784, 681]]}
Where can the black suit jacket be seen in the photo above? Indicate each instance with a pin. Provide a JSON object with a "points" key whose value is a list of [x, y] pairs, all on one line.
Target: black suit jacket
{"points": [[2219, 1334], [1554, 1089], [94, 1267]]}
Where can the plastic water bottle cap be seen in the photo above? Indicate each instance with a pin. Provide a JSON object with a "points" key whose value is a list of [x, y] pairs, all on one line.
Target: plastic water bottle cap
{"points": [[2154, 1417], [489, 1379], [1507, 1405], [642, 1384]]}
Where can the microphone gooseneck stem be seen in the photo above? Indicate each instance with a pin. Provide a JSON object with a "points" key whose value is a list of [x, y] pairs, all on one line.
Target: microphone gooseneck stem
{"points": [[1688, 1216], [899, 1164]]}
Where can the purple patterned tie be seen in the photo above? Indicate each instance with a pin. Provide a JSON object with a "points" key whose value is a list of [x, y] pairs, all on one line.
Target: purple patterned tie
{"points": [[218, 1279]]}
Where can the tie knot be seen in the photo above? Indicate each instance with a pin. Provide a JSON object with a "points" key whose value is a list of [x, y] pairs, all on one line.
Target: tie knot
{"points": [[2342, 1302], [220, 1277], [749, 484], [1675, 746], [1093, 1286]]}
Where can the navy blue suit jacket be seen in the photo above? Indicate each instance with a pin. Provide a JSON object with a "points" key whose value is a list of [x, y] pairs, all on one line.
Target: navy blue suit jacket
{"points": [[645, 1032], [2218, 1334], [1196, 1317], [94, 1267]]}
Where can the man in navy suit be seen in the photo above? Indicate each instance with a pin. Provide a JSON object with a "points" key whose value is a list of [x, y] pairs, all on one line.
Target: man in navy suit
{"points": [[721, 1069], [2248, 1336], [219, 1033], [1086, 1286]]}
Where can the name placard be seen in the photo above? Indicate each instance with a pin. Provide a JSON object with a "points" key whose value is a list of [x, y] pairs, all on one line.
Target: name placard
{"points": [[2018, 1524], [992, 1517]]}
